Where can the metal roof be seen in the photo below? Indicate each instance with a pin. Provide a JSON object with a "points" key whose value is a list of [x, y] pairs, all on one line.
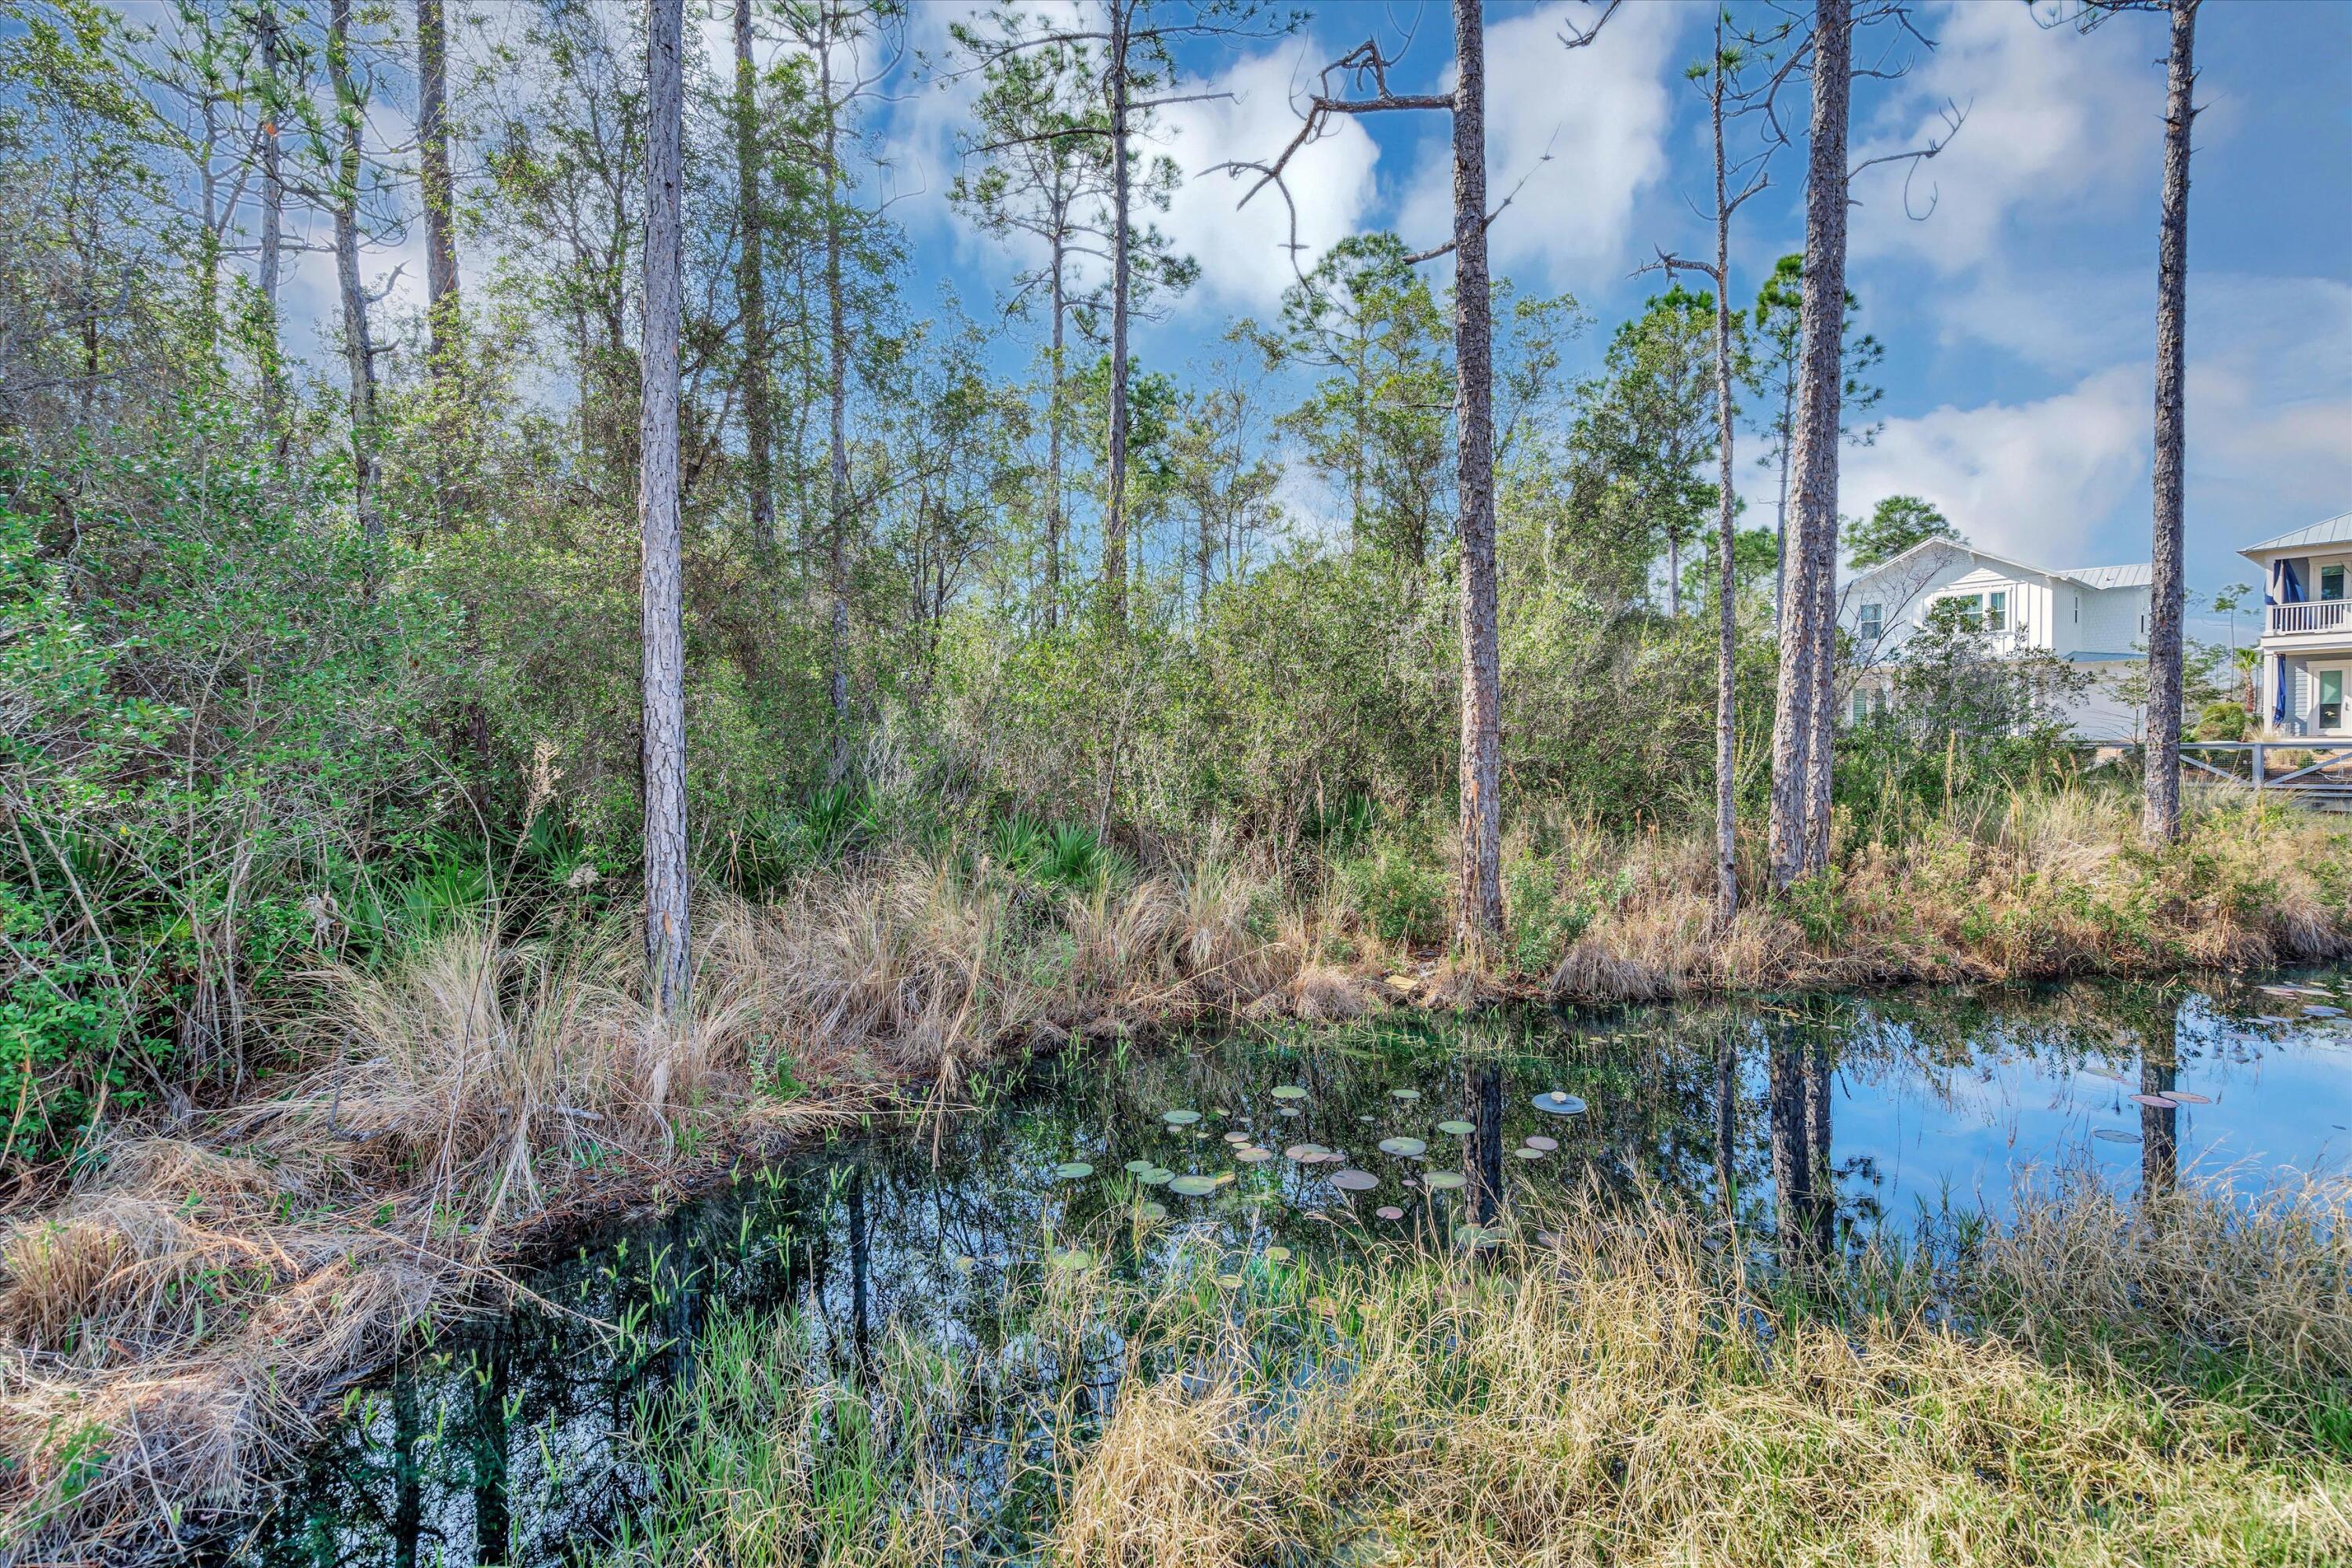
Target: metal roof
{"points": [[2336, 530], [2135, 576]]}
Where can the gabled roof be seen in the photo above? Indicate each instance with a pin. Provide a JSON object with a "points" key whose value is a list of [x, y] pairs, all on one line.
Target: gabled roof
{"points": [[2336, 530], [2092, 577], [2134, 576]]}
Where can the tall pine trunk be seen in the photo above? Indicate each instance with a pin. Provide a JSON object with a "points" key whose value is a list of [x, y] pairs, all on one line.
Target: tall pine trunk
{"points": [[271, 262], [1115, 465], [838, 417], [752, 292], [1807, 632], [1478, 883], [439, 190], [358, 349], [1726, 648], [661, 582], [2161, 821], [1054, 439]]}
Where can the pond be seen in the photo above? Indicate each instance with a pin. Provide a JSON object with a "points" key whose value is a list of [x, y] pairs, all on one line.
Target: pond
{"points": [[506, 1440]]}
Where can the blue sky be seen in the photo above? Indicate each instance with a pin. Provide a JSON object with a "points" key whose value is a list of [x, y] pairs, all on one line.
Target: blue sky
{"points": [[2018, 315]]}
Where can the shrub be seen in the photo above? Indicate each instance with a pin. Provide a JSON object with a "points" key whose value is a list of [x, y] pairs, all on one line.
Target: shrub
{"points": [[1394, 896], [2224, 722]]}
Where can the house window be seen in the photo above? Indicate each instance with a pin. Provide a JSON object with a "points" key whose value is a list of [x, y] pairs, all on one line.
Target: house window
{"points": [[2331, 699], [2078, 609], [2331, 582], [1869, 622], [1997, 616]]}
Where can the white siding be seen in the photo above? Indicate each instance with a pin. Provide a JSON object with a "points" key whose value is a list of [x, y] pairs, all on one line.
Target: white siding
{"points": [[2112, 621]]}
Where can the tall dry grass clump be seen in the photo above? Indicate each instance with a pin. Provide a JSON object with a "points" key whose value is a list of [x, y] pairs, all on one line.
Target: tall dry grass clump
{"points": [[2034, 884], [1633, 1387]]}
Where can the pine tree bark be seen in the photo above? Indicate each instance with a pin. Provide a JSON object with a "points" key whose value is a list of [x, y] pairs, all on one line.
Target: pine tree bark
{"points": [[1800, 722], [1115, 463], [1054, 436], [271, 262], [439, 189], [2161, 821], [838, 417], [359, 350], [661, 575], [752, 292], [1479, 882], [1726, 646]]}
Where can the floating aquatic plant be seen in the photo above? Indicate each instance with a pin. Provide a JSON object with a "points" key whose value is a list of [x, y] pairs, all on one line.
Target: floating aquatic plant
{"points": [[1405, 1148], [1559, 1103], [1352, 1180], [1180, 1118]]}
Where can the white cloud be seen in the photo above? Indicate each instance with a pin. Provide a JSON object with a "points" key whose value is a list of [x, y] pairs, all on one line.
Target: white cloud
{"points": [[2033, 479], [1586, 129], [1243, 250], [2064, 479], [2056, 120]]}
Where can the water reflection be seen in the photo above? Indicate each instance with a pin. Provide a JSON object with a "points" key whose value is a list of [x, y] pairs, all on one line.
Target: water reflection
{"points": [[1813, 1120]]}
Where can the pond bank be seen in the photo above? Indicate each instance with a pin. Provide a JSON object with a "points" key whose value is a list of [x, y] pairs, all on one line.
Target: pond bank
{"points": [[201, 1290]]}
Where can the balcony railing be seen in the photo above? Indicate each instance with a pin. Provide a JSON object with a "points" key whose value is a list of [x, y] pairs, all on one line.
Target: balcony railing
{"points": [[2320, 616]]}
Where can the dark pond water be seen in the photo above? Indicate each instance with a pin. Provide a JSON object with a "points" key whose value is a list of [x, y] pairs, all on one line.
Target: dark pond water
{"points": [[506, 1440]]}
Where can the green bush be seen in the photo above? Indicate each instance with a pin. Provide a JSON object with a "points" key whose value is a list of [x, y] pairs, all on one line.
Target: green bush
{"points": [[1396, 897], [2224, 722]]}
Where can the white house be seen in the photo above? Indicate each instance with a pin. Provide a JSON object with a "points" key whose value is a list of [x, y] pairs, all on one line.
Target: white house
{"points": [[2094, 617], [2306, 644]]}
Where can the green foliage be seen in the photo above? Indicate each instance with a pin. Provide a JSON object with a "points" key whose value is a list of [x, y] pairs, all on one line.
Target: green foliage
{"points": [[2224, 721], [1894, 526], [1398, 897]]}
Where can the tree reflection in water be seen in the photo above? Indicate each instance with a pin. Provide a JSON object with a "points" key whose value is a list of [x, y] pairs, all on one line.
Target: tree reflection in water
{"points": [[508, 1440]]}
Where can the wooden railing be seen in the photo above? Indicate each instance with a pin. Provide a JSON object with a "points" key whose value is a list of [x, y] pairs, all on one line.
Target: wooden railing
{"points": [[2325, 775], [2316, 615]]}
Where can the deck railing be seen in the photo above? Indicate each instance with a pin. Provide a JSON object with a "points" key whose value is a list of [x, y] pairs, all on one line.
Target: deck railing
{"points": [[2316, 615]]}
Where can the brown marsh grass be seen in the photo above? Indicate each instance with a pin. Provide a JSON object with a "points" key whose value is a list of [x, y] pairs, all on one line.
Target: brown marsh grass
{"points": [[1631, 1387]]}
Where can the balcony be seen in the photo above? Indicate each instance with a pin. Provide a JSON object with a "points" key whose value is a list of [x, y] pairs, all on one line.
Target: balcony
{"points": [[2322, 617]]}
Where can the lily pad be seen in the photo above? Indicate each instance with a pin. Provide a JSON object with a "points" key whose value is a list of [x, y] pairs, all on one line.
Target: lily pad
{"points": [[2115, 1135], [2316, 1012], [1307, 1154], [1444, 1180], [1251, 1154], [1180, 1118], [1406, 1147], [1458, 1128], [1405, 1094], [1192, 1187], [1354, 1181], [1137, 1167], [1230, 1281], [1528, 1152], [1158, 1176], [1289, 1092], [1477, 1236], [966, 1264], [1236, 1137], [1072, 1257], [2153, 1102], [2271, 1018], [1072, 1170], [1154, 1211], [2185, 1097], [1559, 1103], [1390, 1211], [1547, 1145], [1277, 1255], [1291, 1111]]}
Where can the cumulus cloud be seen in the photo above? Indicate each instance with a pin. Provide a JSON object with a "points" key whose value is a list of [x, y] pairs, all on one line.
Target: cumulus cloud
{"points": [[1585, 128], [2063, 480], [2055, 119], [2034, 479], [1244, 251]]}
